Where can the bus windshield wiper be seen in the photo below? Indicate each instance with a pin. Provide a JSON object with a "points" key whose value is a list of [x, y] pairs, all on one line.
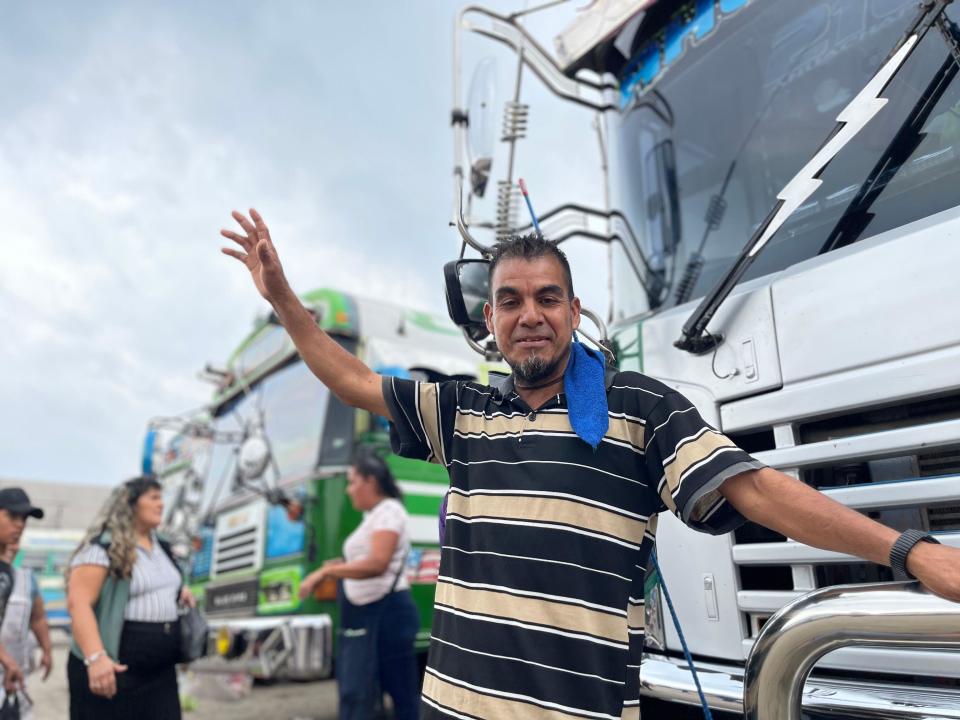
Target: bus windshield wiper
{"points": [[856, 216], [852, 119]]}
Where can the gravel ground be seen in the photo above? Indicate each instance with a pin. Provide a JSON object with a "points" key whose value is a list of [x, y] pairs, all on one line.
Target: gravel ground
{"points": [[279, 701]]}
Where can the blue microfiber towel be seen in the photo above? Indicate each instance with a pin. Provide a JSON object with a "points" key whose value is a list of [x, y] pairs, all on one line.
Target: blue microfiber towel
{"points": [[583, 382]]}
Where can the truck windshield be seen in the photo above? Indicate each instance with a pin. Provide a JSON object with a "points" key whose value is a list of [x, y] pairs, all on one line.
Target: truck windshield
{"points": [[738, 112]]}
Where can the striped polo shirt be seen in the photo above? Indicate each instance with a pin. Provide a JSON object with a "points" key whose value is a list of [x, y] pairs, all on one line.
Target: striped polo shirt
{"points": [[539, 600]]}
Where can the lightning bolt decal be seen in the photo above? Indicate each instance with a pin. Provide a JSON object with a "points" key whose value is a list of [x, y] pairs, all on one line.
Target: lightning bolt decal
{"points": [[854, 117]]}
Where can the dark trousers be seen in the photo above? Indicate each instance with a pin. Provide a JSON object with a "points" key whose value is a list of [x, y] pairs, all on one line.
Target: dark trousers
{"points": [[375, 655], [147, 690]]}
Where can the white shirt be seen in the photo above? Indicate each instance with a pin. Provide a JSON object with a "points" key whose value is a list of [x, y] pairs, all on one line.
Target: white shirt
{"points": [[15, 629], [389, 514], [154, 584]]}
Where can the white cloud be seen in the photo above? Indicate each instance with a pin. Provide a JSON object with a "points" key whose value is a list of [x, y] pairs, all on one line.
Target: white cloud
{"points": [[136, 131]]}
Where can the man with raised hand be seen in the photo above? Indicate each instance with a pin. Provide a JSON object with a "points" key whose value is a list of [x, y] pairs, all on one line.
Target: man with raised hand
{"points": [[556, 479]]}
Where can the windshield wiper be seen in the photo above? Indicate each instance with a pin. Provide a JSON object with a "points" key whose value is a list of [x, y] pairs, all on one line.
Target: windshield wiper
{"points": [[856, 216], [716, 208], [694, 337]]}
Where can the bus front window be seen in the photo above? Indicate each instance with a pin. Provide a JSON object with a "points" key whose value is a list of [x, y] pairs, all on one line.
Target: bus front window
{"points": [[291, 405]]}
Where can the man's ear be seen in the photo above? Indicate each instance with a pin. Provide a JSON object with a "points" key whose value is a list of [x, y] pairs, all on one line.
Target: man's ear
{"points": [[488, 316], [575, 309]]}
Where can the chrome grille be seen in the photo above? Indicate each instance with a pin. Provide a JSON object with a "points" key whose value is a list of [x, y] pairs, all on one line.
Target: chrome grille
{"points": [[238, 540], [902, 472]]}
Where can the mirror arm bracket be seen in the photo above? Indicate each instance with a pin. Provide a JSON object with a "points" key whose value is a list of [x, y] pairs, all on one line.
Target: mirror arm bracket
{"points": [[489, 351], [460, 222]]}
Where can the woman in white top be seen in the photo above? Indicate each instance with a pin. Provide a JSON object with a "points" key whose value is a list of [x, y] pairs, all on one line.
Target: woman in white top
{"points": [[378, 619], [123, 593]]}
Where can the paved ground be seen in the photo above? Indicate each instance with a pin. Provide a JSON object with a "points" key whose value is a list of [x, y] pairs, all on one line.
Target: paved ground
{"points": [[280, 701]]}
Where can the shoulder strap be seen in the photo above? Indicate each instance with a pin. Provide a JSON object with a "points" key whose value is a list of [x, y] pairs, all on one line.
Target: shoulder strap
{"points": [[168, 549], [103, 539], [396, 578]]}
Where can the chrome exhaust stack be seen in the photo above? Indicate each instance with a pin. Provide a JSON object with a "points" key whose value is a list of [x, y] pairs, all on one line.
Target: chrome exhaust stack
{"points": [[893, 615]]}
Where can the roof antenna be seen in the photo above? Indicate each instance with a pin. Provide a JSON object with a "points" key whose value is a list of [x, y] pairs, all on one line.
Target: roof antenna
{"points": [[533, 215]]}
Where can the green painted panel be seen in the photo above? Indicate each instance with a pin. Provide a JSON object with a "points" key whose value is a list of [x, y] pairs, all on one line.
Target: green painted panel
{"points": [[279, 590], [422, 504], [417, 470], [423, 598]]}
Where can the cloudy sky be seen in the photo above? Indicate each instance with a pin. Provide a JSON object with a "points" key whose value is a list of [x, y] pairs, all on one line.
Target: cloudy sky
{"points": [[128, 132]]}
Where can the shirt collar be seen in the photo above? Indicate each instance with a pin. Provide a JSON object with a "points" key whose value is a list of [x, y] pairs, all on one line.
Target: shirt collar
{"points": [[506, 389]]}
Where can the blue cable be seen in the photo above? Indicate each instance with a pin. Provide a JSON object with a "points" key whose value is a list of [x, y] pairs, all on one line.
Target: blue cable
{"points": [[683, 640], [533, 215]]}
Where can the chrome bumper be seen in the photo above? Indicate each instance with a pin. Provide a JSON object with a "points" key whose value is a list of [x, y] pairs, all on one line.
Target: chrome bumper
{"points": [[297, 647], [669, 679]]}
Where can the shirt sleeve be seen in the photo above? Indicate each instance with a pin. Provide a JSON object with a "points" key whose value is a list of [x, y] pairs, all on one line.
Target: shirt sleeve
{"points": [[423, 417], [689, 461], [92, 554], [388, 515], [34, 588]]}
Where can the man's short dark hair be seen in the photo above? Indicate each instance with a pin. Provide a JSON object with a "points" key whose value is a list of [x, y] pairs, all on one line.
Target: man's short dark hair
{"points": [[529, 247]]}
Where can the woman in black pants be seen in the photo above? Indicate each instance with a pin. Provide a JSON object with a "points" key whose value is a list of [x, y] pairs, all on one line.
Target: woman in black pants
{"points": [[123, 592], [378, 619]]}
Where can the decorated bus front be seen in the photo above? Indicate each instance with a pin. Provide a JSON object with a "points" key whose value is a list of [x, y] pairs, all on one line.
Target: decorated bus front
{"points": [[255, 483]]}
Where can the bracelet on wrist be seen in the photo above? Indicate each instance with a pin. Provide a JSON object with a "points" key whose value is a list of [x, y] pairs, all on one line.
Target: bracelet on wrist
{"points": [[88, 661]]}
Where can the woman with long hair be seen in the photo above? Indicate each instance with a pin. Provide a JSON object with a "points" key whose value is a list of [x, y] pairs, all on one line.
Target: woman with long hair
{"points": [[123, 592], [378, 618]]}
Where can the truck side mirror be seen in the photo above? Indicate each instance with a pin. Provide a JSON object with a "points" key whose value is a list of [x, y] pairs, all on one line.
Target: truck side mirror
{"points": [[467, 289]]}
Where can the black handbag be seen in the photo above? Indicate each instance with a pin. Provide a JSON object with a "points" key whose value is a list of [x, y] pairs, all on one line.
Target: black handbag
{"points": [[10, 710], [193, 636]]}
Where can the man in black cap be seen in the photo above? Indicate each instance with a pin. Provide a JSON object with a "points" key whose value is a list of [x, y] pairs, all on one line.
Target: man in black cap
{"points": [[15, 508]]}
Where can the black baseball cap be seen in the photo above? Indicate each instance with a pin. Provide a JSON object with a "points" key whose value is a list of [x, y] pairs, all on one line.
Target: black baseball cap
{"points": [[15, 500]]}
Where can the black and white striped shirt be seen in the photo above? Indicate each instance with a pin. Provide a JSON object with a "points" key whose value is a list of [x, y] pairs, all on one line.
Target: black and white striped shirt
{"points": [[154, 584], [540, 599]]}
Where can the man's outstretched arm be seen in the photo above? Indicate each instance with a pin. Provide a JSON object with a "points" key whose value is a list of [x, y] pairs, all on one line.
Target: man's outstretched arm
{"points": [[346, 376], [786, 505]]}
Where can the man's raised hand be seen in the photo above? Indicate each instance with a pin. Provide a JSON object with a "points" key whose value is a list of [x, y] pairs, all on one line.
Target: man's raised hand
{"points": [[258, 255]]}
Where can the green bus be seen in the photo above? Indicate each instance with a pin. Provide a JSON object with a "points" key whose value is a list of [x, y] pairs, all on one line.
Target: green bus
{"points": [[254, 482]]}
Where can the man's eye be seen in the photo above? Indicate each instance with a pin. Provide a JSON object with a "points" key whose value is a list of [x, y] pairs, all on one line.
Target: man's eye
{"points": [[550, 301], [508, 303]]}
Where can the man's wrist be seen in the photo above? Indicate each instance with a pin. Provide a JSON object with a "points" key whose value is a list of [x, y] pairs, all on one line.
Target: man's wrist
{"points": [[904, 553], [285, 300], [918, 561]]}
